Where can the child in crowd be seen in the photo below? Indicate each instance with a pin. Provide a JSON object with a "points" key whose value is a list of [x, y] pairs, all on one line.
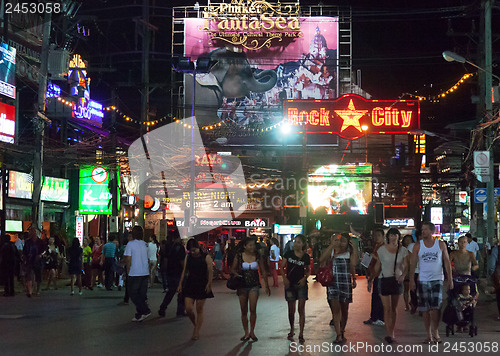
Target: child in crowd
{"points": [[467, 302]]}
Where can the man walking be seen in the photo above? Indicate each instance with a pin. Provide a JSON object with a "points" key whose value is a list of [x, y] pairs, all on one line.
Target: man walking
{"points": [[136, 261], [108, 256], [431, 254], [377, 309], [175, 256]]}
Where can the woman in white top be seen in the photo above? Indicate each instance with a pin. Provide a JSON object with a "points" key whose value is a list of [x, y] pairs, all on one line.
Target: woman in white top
{"points": [[153, 260], [392, 264]]}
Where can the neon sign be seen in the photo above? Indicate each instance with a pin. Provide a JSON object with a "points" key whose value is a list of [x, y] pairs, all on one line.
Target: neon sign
{"points": [[89, 110], [7, 123], [53, 90], [350, 116], [252, 24], [7, 70]]}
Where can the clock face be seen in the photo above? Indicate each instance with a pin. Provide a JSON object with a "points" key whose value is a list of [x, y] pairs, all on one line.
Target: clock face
{"points": [[99, 174]]}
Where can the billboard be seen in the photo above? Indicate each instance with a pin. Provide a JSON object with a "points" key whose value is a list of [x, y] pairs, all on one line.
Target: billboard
{"points": [[7, 123], [340, 189], [95, 197], [351, 116], [248, 85], [53, 189], [8, 71]]}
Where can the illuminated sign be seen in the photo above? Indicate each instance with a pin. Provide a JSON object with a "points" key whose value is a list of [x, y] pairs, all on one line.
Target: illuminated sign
{"points": [[214, 222], [95, 197], [7, 123], [337, 189], [251, 24], [8, 71], [53, 189], [351, 116], [399, 222], [79, 229], [437, 215], [287, 229], [88, 110], [53, 90], [208, 160]]}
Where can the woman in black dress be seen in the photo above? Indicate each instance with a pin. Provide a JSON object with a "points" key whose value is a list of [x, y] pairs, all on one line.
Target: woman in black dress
{"points": [[75, 265], [196, 283]]}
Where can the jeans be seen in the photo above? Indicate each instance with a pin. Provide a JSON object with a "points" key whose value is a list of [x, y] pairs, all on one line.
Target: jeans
{"points": [[138, 289], [173, 283], [164, 278], [377, 312], [109, 272]]}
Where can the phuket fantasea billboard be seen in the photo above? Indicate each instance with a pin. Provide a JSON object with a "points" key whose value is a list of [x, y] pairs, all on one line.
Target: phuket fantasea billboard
{"points": [[340, 189], [249, 76]]}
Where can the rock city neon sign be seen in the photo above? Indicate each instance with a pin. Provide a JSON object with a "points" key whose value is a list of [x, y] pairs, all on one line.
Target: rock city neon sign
{"points": [[351, 116]]}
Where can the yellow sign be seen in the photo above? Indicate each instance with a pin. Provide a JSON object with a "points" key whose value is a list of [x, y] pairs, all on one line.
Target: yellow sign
{"points": [[251, 24], [77, 62]]}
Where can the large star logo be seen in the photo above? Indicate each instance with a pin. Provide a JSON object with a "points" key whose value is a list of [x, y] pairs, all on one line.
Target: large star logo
{"points": [[351, 117]]}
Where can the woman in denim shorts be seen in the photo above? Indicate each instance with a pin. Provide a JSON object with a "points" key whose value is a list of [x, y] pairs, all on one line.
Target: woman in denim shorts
{"points": [[247, 264], [297, 263]]}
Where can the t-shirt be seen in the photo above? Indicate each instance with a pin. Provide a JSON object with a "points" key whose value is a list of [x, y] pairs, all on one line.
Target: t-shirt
{"points": [[217, 252], [138, 250], [109, 250], [387, 261], [410, 249], [87, 253], [295, 267], [152, 251], [473, 247], [176, 254], [276, 251]]}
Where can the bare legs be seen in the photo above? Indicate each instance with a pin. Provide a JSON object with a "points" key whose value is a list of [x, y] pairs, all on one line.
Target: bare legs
{"points": [[302, 317], [197, 319], [390, 303], [431, 322], [340, 312], [406, 294], [249, 301], [52, 277], [78, 282]]}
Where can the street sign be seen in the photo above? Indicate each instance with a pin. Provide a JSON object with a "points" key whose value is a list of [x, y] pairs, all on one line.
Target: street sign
{"points": [[481, 159], [462, 196], [480, 195], [482, 171]]}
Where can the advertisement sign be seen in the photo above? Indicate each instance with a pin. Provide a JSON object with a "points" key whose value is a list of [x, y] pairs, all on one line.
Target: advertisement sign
{"points": [[13, 226], [79, 229], [8, 71], [215, 222], [338, 189], [280, 57], [53, 189], [7, 123], [462, 197], [288, 229], [437, 215], [351, 116], [95, 197]]}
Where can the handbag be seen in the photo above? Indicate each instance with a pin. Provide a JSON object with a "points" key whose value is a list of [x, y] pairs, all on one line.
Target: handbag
{"points": [[390, 285], [235, 282], [325, 275]]}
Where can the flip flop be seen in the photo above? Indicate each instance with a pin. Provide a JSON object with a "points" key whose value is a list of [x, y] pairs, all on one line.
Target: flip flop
{"points": [[290, 336]]}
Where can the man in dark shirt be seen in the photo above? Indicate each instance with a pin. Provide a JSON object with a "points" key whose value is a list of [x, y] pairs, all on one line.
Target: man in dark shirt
{"points": [[175, 256], [32, 252]]}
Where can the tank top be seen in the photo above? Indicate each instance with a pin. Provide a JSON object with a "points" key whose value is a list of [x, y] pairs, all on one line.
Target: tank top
{"points": [[430, 262]]}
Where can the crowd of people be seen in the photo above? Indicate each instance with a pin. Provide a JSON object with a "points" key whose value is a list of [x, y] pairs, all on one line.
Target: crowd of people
{"points": [[419, 270]]}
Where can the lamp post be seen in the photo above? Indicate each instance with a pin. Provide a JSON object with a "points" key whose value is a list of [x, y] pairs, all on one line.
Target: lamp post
{"points": [[490, 184]]}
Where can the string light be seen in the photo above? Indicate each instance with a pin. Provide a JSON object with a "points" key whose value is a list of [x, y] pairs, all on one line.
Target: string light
{"points": [[452, 89]]}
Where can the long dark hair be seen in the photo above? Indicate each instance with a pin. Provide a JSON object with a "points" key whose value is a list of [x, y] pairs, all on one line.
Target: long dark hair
{"points": [[393, 231]]}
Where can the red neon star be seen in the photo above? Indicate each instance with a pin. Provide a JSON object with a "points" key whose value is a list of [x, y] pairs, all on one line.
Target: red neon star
{"points": [[351, 117]]}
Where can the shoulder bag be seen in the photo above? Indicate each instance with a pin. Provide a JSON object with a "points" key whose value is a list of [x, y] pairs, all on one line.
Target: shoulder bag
{"points": [[390, 285], [236, 282], [325, 274]]}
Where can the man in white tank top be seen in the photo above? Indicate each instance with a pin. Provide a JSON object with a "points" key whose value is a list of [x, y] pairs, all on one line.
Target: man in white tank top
{"points": [[431, 254]]}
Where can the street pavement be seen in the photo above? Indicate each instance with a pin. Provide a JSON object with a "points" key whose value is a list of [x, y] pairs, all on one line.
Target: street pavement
{"points": [[92, 324]]}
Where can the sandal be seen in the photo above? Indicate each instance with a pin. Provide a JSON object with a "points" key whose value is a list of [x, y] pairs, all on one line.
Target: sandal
{"points": [[245, 338], [339, 340], [290, 336], [301, 339], [437, 340], [428, 341]]}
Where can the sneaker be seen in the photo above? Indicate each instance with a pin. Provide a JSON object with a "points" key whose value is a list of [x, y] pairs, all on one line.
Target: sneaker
{"points": [[144, 316], [99, 285], [80, 293], [136, 319], [72, 293], [368, 322], [379, 323]]}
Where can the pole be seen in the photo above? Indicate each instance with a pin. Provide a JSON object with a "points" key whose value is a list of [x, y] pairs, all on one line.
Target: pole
{"points": [[39, 126], [192, 182], [144, 101], [488, 83]]}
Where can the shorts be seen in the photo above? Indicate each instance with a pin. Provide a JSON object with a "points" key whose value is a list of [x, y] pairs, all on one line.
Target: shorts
{"points": [[296, 292], [218, 265], [430, 295], [248, 290], [379, 282]]}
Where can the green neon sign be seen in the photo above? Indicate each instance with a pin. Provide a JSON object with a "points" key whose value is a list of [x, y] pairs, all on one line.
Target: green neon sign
{"points": [[94, 196]]}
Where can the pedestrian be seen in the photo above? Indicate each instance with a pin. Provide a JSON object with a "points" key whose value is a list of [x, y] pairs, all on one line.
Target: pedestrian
{"points": [[75, 265], [414, 277], [51, 258], [126, 239], [218, 258], [175, 255], [247, 263], [377, 309], [32, 253], [163, 260], [392, 263], [298, 268], [87, 258], [344, 257], [230, 253], [9, 257], [136, 261], [197, 274], [108, 261], [494, 272], [405, 242], [97, 263], [431, 254], [153, 259], [274, 259], [473, 247], [463, 261], [289, 244]]}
